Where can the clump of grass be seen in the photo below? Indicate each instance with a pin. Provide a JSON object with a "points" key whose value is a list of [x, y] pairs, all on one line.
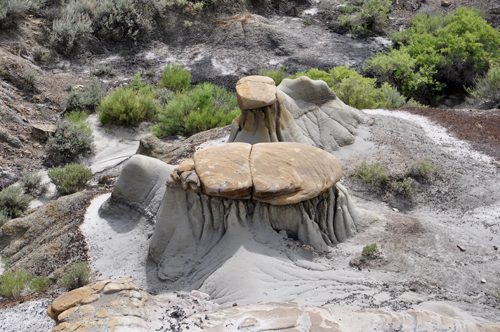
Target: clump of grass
{"points": [[71, 178], [32, 183], [30, 79], [276, 74], [79, 275], [176, 78], [371, 174], [487, 87], [4, 216], [103, 69], [40, 284], [13, 202], [424, 169], [12, 284]]}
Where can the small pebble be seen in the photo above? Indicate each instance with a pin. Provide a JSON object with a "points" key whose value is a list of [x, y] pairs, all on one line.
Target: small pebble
{"points": [[483, 281]]}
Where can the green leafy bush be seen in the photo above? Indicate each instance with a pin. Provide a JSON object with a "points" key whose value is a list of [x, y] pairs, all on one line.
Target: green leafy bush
{"points": [[487, 87], [276, 74], [371, 174], [370, 15], [78, 119], [423, 169], [29, 80], [206, 106], [71, 178], [403, 187], [176, 78], [358, 91], [32, 183], [79, 275], [13, 202], [87, 98], [70, 142], [369, 251], [128, 107], [438, 51], [12, 284]]}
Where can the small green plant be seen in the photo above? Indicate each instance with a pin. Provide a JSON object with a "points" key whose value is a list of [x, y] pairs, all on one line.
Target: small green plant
{"points": [[103, 69], [368, 16], [87, 98], [70, 141], [176, 78], [71, 178], [206, 106], [307, 21], [78, 275], [40, 284], [128, 107], [403, 187], [12, 284], [32, 183], [187, 24], [276, 74], [487, 87], [29, 80], [13, 202], [78, 119], [369, 251], [4, 216], [423, 169], [370, 174]]}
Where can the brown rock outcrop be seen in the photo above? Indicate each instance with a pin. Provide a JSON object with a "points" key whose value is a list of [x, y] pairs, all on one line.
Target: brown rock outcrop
{"points": [[255, 92]]}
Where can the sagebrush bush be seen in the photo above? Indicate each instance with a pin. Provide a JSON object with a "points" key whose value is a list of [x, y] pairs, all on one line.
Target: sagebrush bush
{"points": [[78, 119], [276, 74], [4, 216], [437, 51], [487, 88], [17, 7], [370, 174], [30, 79], [71, 178], [205, 107], [12, 284], [70, 142], [369, 16], [78, 275], [87, 98], [403, 188], [175, 77], [40, 284], [391, 98], [424, 169], [128, 107], [103, 69], [13, 202], [32, 183]]}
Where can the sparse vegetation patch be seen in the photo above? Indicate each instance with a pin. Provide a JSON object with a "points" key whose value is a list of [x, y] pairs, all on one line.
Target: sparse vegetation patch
{"points": [[71, 178], [79, 275], [13, 202]]}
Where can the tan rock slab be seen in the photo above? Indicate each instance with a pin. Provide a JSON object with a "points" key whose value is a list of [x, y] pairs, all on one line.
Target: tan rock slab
{"points": [[224, 170], [288, 173], [90, 299], [101, 314], [70, 299], [255, 92], [66, 314], [185, 166]]}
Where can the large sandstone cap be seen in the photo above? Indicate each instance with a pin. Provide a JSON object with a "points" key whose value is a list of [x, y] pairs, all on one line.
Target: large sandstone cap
{"points": [[276, 173], [288, 172], [225, 170], [255, 92]]}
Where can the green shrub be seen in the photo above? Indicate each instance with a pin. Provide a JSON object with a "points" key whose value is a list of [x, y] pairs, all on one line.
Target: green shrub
{"points": [[70, 142], [79, 275], [423, 169], [128, 107], [403, 187], [370, 15], [103, 69], [29, 80], [369, 251], [78, 119], [206, 106], [437, 51], [307, 21], [32, 183], [13, 202], [12, 284], [175, 78], [137, 83], [71, 178], [87, 98], [358, 92], [40, 284], [17, 7], [487, 88], [391, 98], [315, 74], [164, 95], [276, 74], [370, 174]]}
